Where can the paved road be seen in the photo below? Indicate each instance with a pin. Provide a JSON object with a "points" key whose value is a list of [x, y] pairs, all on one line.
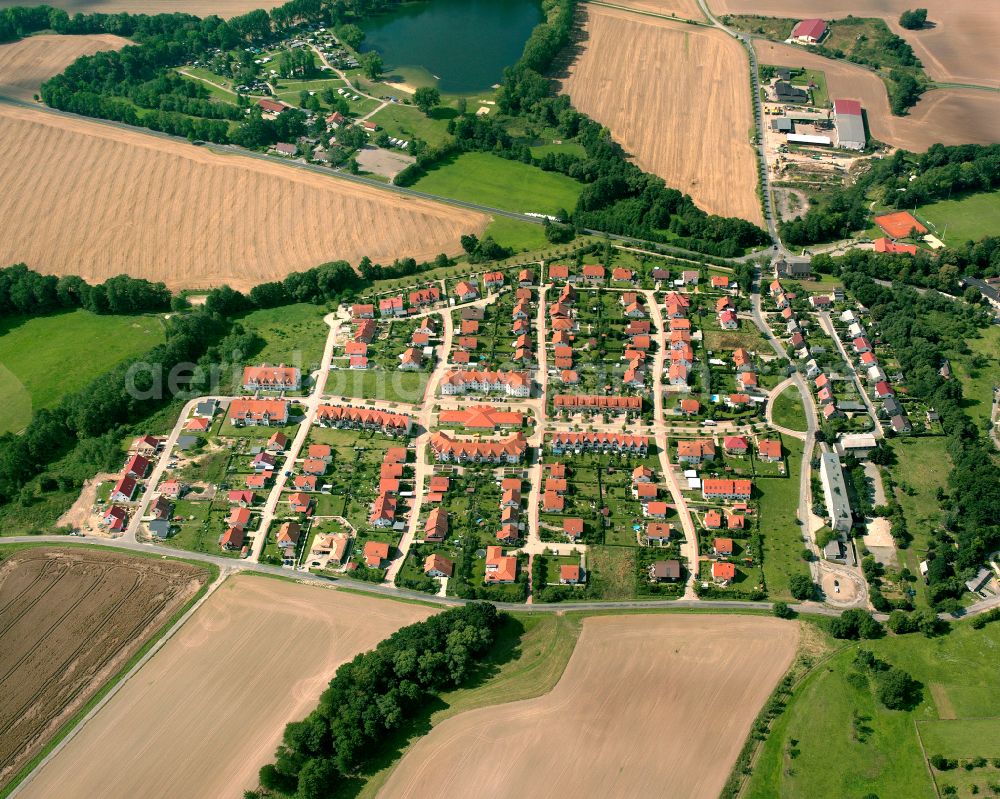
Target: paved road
{"points": [[690, 547], [827, 324], [312, 404]]}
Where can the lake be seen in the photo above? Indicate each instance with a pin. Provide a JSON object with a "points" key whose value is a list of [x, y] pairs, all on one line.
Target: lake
{"points": [[464, 44]]}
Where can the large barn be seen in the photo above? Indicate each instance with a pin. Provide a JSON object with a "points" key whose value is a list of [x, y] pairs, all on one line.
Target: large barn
{"points": [[850, 124], [809, 31]]}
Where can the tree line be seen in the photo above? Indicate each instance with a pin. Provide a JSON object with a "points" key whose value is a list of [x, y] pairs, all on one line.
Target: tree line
{"points": [[376, 693]]}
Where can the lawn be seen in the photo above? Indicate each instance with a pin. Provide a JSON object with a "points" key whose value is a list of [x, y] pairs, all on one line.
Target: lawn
{"points": [[779, 526], [493, 181], [520, 236], [967, 219], [394, 386], [408, 122], [962, 737], [836, 740], [566, 148], [46, 357], [527, 660], [293, 334], [977, 379], [787, 410]]}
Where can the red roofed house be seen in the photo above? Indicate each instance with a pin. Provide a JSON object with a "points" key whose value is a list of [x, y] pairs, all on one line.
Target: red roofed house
{"points": [[769, 449], [573, 528], [232, 539], [552, 502], [239, 517], [500, 568], [720, 282], [655, 510], [722, 547], [809, 31], [690, 407], [242, 497], [375, 552], [115, 518], [593, 273], [466, 291], [124, 490], [728, 320], [723, 573], [735, 445], [137, 466], [570, 575], [300, 502], [436, 527], [887, 245], [277, 442], [713, 520], [438, 566], [272, 378], [883, 389]]}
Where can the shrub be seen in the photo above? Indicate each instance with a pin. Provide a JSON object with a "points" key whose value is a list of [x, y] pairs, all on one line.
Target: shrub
{"points": [[801, 586], [913, 19], [782, 611]]}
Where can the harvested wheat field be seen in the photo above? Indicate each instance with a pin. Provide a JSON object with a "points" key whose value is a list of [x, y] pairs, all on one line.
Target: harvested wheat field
{"points": [[685, 9], [70, 618], [25, 64], [948, 116], [202, 717], [93, 200], [677, 99], [200, 8], [647, 704], [959, 48]]}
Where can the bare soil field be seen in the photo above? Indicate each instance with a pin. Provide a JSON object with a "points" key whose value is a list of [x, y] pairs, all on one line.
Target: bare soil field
{"points": [[96, 201], [25, 64], [645, 702], [69, 619], [200, 8], [948, 116], [959, 48], [208, 710], [685, 9], [676, 99]]}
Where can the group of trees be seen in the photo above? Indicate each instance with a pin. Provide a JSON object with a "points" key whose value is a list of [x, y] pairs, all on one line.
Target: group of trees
{"points": [[913, 19], [377, 692], [894, 688]]}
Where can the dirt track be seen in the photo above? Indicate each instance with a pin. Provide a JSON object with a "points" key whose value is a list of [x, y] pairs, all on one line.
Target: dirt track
{"points": [[202, 717], [647, 706], [86, 199], [960, 48], [25, 64], [68, 620], [202, 8], [676, 97], [948, 116]]}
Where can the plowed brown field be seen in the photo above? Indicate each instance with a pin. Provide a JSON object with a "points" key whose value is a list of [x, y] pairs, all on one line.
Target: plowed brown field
{"points": [[208, 710], [948, 116], [647, 706], [93, 200], [201, 8], [960, 48], [677, 98], [25, 64], [69, 619]]}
